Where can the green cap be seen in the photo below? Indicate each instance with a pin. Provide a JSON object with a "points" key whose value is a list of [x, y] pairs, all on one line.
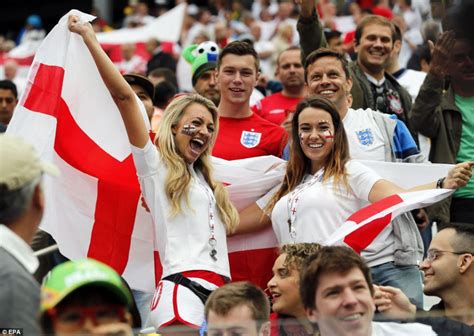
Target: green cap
{"points": [[202, 57], [66, 278]]}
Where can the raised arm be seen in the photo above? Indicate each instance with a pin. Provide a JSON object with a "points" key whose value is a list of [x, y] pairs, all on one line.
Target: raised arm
{"points": [[309, 28], [457, 177], [425, 117], [121, 92]]}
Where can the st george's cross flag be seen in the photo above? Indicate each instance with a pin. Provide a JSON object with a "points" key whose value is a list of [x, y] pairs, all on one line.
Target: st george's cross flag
{"points": [[67, 113], [363, 226]]}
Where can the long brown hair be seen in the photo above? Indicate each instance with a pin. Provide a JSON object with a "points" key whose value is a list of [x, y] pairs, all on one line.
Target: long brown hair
{"points": [[299, 164]]}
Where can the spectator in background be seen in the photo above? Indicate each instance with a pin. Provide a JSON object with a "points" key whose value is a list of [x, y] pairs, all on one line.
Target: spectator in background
{"points": [[411, 80], [288, 317], [238, 308], [144, 89], [21, 210], [430, 31], [10, 68], [446, 116], [159, 58], [86, 297], [164, 93], [449, 271], [162, 74], [140, 15], [289, 70], [334, 40], [8, 101], [264, 49], [131, 63], [32, 32]]}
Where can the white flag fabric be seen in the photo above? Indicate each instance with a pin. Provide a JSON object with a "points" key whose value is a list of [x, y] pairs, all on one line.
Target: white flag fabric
{"points": [[363, 226]]}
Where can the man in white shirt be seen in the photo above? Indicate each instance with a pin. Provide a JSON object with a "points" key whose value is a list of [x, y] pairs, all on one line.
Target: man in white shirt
{"points": [[337, 294], [21, 210]]}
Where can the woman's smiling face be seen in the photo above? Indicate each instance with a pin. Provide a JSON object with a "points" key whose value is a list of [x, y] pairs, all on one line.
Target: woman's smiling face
{"points": [[316, 131]]}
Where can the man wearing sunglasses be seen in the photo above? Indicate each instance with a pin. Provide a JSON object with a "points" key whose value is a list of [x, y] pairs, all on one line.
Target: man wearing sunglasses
{"points": [[86, 297], [449, 271]]}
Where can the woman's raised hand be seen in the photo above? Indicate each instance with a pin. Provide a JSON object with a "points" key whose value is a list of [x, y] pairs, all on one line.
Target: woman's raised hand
{"points": [[76, 26]]}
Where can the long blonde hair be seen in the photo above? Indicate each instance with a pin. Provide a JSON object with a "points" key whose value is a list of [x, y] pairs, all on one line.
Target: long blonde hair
{"points": [[298, 164], [178, 178]]}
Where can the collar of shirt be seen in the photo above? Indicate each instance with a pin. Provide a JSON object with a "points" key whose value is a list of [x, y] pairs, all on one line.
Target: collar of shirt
{"points": [[18, 248], [374, 81]]}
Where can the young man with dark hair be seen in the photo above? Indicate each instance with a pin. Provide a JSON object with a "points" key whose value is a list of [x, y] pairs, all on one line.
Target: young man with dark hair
{"points": [[337, 293], [449, 271], [243, 134], [239, 308], [8, 101], [372, 87]]}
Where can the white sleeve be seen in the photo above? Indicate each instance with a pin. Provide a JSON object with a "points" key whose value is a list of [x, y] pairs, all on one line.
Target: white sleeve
{"points": [[361, 179], [146, 159], [263, 201]]}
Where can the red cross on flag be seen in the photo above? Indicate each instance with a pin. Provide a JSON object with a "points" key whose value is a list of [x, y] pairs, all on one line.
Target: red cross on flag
{"points": [[68, 114]]}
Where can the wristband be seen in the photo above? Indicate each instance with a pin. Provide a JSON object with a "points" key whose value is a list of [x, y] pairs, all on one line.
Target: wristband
{"points": [[440, 182]]}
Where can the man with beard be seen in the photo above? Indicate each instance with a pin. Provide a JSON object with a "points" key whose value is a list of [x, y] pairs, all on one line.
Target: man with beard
{"points": [[372, 86], [290, 72]]}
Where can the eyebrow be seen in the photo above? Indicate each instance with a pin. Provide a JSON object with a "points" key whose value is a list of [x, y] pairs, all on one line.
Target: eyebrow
{"points": [[352, 283]]}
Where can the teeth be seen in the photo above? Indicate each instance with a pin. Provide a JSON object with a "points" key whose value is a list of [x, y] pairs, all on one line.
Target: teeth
{"points": [[326, 92], [352, 317], [315, 145], [199, 141]]}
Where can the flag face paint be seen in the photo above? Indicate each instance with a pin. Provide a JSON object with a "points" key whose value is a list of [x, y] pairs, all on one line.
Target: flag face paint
{"points": [[189, 130]]}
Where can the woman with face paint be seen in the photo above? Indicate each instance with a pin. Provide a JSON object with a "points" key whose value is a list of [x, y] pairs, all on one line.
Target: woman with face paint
{"points": [[322, 187], [191, 212]]}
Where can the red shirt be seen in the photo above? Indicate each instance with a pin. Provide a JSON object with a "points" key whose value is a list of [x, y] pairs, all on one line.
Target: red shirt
{"points": [[241, 138], [276, 107]]}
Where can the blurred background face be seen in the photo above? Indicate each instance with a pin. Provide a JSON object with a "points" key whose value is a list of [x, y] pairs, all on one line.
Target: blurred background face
{"points": [[284, 288], [238, 321], [206, 86], [290, 71], [7, 105]]}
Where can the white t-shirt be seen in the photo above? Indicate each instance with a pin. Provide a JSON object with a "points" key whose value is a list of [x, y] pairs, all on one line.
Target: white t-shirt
{"points": [[401, 329], [323, 207], [182, 241], [365, 139]]}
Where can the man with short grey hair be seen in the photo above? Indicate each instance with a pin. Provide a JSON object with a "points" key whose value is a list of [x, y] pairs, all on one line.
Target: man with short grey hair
{"points": [[21, 210]]}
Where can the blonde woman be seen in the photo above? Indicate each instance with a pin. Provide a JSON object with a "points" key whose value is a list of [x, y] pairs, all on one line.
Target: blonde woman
{"points": [[191, 212]]}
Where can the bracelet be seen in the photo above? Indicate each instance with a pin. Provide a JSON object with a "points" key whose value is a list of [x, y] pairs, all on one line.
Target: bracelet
{"points": [[440, 182]]}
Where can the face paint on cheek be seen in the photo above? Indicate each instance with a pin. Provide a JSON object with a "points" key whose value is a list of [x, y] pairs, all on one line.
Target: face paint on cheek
{"points": [[328, 136], [189, 130], [301, 137]]}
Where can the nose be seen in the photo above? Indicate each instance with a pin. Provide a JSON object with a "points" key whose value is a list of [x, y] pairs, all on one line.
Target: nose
{"points": [[378, 42], [213, 81], [424, 265], [349, 298], [237, 77], [271, 283], [88, 325]]}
